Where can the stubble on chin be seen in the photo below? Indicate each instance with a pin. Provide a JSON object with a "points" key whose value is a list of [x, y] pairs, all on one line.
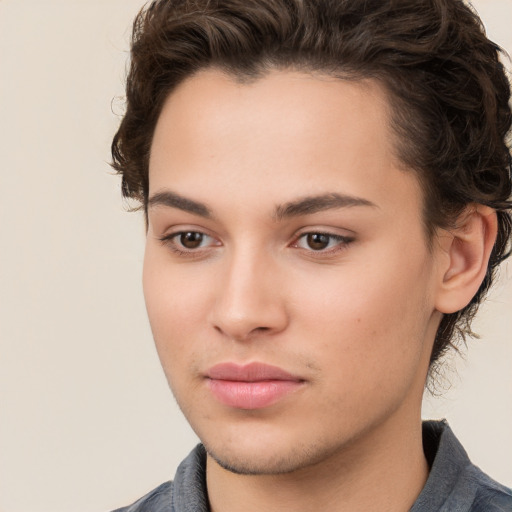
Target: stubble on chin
{"points": [[296, 459]]}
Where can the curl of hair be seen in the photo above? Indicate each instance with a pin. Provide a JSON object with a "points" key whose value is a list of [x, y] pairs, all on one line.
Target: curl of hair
{"points": [[448, 91]]}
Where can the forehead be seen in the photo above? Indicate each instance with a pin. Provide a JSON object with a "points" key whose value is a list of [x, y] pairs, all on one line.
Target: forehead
{"points": [[212, 106], [281, 136]]}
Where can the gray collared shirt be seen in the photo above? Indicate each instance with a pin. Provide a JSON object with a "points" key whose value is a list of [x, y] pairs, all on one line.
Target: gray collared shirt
{"points": [[454, 483]]}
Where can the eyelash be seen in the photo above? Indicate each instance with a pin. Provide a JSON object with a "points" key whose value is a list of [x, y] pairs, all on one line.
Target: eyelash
{"points": [[170, 242], [342, 243]]}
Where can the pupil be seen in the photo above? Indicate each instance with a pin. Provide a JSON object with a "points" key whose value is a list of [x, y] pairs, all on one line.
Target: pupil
{"points": [[318, 241], [191, 240]]}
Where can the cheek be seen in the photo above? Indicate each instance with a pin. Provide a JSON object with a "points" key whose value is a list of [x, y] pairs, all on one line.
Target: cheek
{"points": [[369, 322], [174, 302], [370, 302], [174, 305]]}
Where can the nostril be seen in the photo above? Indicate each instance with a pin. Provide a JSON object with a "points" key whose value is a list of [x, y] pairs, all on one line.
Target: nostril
{"points": [[241, 334]]}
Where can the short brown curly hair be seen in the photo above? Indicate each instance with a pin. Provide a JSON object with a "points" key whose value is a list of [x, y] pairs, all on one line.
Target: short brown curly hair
{"points": [[449, 91]]}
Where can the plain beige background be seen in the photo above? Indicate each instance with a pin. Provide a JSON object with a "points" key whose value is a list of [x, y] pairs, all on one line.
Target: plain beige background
{"points": [[86, 420]]}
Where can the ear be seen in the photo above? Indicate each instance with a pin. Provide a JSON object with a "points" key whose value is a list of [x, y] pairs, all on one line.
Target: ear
{"points": [[467, 250]]}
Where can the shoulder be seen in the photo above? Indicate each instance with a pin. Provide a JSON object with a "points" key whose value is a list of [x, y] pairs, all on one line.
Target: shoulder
{"points": [[454, 482], [490, 496], [187, 492], [158, 500]]}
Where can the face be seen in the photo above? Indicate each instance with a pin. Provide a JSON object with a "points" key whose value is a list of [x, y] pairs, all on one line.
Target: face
{"points": [[288, 281]]}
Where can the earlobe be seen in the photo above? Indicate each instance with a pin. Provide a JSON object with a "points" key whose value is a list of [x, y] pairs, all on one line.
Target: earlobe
{"points": [[468, 250]]}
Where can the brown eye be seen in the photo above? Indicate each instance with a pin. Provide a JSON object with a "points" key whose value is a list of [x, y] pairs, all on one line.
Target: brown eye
{"points": [[317, 241], [323, 243], [191, 239]]}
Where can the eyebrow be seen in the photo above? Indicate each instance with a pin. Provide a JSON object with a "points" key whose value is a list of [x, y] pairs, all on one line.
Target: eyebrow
{"points": [[313, 204], [173, 200], [303, 206]]}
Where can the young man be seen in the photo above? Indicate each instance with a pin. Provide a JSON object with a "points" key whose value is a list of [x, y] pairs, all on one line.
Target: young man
{"points": [[326, 186]]}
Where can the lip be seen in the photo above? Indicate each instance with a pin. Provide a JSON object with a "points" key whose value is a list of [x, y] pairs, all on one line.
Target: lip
{"points": [[251, 386]]}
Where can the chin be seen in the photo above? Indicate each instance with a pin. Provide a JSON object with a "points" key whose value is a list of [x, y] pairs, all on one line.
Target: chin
{"points": [[261, 460]]}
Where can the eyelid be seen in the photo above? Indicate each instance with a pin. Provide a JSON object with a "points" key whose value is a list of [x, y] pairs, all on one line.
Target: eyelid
{"points": [[169, 240], [329, 231], [342, 241]]}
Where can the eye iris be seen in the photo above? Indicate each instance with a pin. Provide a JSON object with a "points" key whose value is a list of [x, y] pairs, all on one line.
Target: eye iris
{"points": [[191, 239], [317, 241]]}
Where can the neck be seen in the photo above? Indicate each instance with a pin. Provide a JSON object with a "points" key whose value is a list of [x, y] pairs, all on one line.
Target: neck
{"points": [[361, 477]]}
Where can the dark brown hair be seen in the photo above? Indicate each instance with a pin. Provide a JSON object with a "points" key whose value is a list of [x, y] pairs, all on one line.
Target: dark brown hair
{"points": [[449, 92]]}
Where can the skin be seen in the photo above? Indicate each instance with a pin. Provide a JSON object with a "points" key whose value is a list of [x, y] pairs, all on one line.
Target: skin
{"points": [[355, 320]]}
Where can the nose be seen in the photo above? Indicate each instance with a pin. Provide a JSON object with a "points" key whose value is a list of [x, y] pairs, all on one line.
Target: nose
{"points": [[250, 298]]}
